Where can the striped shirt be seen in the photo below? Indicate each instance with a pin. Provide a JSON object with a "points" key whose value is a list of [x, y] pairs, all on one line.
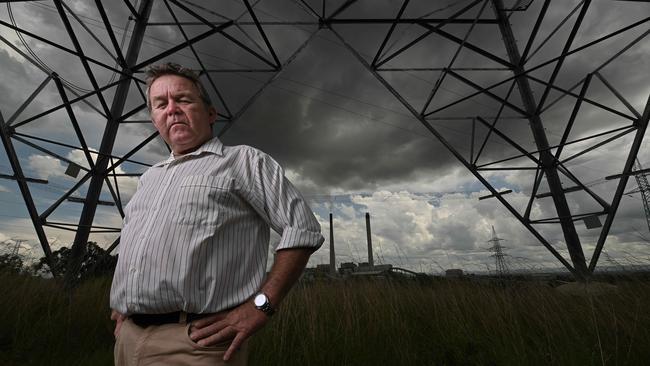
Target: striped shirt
{"points": [[196, 233]]}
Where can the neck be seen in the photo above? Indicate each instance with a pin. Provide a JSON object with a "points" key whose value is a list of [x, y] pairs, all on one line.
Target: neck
{"points": [[188, 150]]}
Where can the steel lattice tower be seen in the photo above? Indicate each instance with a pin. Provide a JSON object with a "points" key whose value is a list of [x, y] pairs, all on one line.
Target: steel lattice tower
{"points": [[480, 51], [499, 256], [644, 188]]}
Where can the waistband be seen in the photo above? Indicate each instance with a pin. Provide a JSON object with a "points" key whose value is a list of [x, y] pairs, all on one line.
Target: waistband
{"points": [[145, 320]]}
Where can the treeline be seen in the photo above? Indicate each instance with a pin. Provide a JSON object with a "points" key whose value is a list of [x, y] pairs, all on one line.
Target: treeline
{"points": [[97, 262]]}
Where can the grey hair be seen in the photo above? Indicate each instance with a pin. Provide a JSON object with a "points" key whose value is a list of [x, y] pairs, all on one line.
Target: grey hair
{"points": [[170, 68]]}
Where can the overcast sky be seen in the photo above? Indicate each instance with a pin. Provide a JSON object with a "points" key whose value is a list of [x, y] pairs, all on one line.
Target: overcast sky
{"points": [[343, 138]]}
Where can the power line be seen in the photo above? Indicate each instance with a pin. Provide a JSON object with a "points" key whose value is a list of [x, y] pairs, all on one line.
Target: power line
{"points": [[35, 56]]}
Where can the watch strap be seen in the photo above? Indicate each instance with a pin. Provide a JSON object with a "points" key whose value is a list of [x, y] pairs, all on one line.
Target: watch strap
{"points": [[266, 308]]}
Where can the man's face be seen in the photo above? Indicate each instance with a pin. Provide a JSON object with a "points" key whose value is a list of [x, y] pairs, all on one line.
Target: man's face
{"points": [[180, 115]]}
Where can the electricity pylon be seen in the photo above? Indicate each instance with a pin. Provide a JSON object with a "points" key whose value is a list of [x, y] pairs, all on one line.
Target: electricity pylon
{"points": [[499, 255]]}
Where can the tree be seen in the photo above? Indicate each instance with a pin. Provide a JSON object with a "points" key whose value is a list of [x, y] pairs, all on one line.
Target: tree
{"points": [[96, 262], [11, 263]]}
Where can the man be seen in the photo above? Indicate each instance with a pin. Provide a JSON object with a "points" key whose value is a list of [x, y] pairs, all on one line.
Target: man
{"points": [[190, 285]]}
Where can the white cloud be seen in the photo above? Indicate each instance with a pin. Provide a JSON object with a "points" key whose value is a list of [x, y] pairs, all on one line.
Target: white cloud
{"points": [[4, 189], [21, 229], [126, 185], [408, 229], [304, 184], [436, 232], [46, 167]]}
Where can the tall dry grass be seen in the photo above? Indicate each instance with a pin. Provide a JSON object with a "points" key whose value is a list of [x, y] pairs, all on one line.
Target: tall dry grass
{"points": [[43, 325], [363, 323], [457, 323]]}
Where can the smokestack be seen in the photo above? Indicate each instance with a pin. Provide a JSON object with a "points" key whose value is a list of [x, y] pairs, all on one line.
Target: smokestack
{"points": [[332, 254], [371, 262]]}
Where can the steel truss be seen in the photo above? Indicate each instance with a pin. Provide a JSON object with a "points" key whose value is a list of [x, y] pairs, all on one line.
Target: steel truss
{"points": [[247, 32], [643, 188]]}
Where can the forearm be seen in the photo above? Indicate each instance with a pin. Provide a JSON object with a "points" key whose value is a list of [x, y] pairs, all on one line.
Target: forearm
{"points": [[287, 268], [244, 320]]}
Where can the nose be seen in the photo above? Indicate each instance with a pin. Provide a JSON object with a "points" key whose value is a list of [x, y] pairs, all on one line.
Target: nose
{"points": [[172, 107]]}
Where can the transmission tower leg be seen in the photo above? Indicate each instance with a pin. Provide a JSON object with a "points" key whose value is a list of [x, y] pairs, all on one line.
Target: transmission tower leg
{"points": [[5, 133], [332, 252], [644, 189], [106, 146], [546, 157], [642, 126], [470, 166]]}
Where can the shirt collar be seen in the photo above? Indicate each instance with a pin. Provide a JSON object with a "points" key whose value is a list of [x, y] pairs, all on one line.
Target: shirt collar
{"points": [[212, 146]]}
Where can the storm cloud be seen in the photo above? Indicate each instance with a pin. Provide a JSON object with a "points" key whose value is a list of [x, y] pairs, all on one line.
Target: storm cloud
{"points": [[339, 132]]}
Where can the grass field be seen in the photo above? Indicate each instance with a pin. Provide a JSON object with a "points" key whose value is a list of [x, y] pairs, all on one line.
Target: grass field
{"points": [[440, 322]]}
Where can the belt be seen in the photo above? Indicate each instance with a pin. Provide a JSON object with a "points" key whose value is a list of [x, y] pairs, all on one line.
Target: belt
{"points": [[145, 320]]}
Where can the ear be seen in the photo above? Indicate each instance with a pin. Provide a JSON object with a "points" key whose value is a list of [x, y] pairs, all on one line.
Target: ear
{"points": [[212, 113]]}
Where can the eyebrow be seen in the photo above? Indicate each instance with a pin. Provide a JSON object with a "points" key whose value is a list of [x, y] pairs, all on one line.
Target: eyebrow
{"points": [[181, 94]]}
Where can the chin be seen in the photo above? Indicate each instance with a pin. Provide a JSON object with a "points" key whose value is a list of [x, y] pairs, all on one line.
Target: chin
{"points": [[187, 145]]}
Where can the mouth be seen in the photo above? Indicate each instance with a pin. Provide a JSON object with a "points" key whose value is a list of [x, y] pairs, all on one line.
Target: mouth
{"points": [[176, 123]]}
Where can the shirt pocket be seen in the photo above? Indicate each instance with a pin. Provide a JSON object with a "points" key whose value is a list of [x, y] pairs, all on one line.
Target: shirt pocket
{"points": [[203, 198]]}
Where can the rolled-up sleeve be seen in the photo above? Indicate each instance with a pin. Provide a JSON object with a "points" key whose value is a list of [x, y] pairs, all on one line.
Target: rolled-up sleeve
{"points": [[282, 206]]}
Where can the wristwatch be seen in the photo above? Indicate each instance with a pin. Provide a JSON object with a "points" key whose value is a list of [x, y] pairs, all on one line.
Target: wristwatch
{"points": [[262, 303]]}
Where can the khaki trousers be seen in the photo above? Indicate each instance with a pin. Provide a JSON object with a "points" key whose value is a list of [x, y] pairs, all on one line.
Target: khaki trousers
{"points": [[169, 344]]}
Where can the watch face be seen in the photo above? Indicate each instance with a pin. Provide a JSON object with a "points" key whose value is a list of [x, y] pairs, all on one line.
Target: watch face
{"points": [[260, 300]]}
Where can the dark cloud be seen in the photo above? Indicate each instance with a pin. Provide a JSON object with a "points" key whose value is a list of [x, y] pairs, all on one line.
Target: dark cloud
{"points": [[336, 126], [317, 136], [12, 94], [327, 134], [333, 123]]}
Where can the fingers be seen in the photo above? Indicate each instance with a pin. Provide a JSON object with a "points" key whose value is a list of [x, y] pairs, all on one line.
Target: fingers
{"points": [[219, 331], [213, 333], [209, 326], [208, 320], [116, 316], [216, 338], [234, 346], [237, 324], [118, 326]]}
